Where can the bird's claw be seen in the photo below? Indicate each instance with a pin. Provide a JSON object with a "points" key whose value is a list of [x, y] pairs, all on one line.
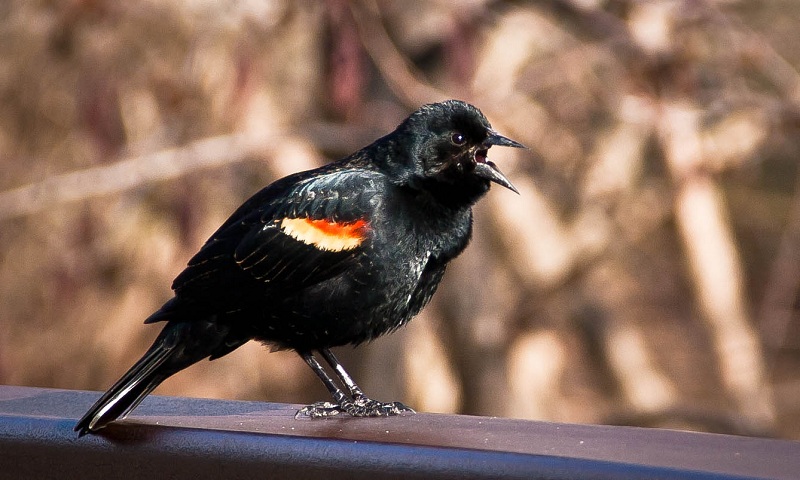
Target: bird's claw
{"points": [[361, 407], [318, 410], [366, 407]]}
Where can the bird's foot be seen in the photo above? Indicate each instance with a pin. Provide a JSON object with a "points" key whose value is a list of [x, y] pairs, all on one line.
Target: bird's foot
{"points": [[361, 407], [318, 410], [366, 407]]}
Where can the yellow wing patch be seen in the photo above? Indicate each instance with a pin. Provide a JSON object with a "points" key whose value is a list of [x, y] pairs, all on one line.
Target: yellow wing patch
{"points": [[325, 235]]}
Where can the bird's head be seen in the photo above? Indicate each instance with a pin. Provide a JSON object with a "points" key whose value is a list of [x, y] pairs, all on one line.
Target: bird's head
{"points": [[448, 146]]}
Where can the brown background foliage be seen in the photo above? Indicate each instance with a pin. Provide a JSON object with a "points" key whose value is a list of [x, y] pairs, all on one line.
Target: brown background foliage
{"points": [[647, 274]]}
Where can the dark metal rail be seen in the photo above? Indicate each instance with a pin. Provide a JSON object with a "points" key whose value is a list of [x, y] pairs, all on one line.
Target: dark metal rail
{"points": [[197, 439]]}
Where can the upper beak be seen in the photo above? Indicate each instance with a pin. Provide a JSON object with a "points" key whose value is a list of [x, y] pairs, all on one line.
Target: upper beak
{"points": [[495, 138], [489, 170]]}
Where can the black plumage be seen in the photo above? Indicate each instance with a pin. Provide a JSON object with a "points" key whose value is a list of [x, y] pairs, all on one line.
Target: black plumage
{"points": [[332, 256]]}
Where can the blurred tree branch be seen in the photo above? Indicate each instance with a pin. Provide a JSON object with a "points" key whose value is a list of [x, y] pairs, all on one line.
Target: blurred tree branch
{"points": [[777, 308], [134, 172], [400, 76], [715, 265]]}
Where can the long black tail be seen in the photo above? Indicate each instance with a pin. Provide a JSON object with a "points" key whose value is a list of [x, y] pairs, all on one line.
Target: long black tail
{"points": [[179, 345], [128, 392]]}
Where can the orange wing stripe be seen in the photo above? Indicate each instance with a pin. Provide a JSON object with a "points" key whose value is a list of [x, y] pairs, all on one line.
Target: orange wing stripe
{"points": [[326, 235]]}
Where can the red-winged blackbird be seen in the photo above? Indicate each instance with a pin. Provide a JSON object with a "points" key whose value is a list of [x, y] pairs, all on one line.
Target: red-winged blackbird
{"points": [[332, 256]]}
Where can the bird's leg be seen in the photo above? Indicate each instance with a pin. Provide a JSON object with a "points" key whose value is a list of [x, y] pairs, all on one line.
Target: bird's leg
{"points": [[355, 391], [361, 405], [322, 409]]}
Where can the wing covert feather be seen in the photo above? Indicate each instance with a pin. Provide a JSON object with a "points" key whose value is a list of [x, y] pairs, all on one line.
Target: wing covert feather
{"points": [[290, 238]]}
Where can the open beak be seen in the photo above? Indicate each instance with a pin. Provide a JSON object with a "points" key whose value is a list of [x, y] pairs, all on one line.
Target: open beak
{"points": [[487, 169]]}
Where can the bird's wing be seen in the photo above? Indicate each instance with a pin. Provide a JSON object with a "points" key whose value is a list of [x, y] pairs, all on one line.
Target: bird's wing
{"points": [[291, 235]]}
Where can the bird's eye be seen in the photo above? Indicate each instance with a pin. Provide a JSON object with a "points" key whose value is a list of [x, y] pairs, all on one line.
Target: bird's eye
{"points": [[458, 139]]}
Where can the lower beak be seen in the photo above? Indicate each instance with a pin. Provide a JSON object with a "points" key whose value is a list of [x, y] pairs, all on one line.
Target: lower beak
{"points": [[489, 171]]}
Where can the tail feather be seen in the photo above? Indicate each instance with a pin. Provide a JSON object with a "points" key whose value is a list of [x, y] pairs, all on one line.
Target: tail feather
{"points": [[129, 390], [180, 344]]}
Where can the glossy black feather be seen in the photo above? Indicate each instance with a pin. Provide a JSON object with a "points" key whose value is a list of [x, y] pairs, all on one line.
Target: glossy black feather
{"points": [[259, 277]]}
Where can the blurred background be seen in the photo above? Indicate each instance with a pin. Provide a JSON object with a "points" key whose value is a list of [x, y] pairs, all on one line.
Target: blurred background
{"points": [[647, 274]]}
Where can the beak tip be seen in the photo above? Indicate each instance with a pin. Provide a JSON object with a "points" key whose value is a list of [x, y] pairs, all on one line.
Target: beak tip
{"points": [[509, 186], [515, 144]]}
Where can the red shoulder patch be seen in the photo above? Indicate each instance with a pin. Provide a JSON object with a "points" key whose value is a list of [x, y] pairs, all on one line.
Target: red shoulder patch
{"points": [[326, 235]]}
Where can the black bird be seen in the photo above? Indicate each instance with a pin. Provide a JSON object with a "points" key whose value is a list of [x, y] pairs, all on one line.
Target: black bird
{"points": [[332, 256]]}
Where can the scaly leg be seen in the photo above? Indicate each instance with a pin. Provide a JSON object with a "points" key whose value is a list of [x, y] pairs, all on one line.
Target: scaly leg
{"points": [[357, 404], [322, 409]]}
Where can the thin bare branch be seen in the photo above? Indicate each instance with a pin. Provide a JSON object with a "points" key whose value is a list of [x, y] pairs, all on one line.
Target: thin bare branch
{"points": [[132, 172], [399, 74]]}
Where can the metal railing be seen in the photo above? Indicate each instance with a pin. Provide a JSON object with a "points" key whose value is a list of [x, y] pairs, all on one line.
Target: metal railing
{"points": [[196, 439]]}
